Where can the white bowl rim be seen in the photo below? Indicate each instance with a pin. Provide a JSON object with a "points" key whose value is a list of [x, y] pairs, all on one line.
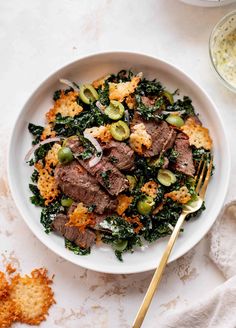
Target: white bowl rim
{"points": [[91, 55]]}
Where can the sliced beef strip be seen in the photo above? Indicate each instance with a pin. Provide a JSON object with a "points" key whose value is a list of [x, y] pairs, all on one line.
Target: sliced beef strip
{"points": [[78, 184], [83, 239], [163, 135], [121, 153], [104, 172], [184, 161]]}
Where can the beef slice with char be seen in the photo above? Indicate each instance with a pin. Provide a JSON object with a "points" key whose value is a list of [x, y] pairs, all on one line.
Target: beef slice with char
{"points": [[120, 154], [79, 185], [184, 161], [83, 239], [104, 172], [162, 134]]}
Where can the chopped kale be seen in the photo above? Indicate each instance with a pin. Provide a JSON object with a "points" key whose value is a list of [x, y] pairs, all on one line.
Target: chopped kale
{"points": [[91, 208], [35, 176], [48, 214], [149, 112], [172, 155], [75, 248], [57, 95], [149, 88], [106, 178], [42, 151], [183, 105], [118, 227], [112, 159], [103, 93], [36, 199], [36, 131]]}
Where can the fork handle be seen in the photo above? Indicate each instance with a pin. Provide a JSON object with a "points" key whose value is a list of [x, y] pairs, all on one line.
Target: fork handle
{"points": [[158, 274]]}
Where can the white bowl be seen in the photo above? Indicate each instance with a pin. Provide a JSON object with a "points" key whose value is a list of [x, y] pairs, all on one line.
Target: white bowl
{"points": [[87, 69]]}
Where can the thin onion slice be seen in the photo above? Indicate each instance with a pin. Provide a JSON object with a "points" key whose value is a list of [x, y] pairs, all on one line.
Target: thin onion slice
{"points": [[100, 107], [69, 84], [34, 148], [127, 116], [95, 160], [180, 112]]}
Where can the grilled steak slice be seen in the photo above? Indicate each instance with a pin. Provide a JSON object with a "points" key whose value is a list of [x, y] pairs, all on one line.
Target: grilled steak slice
{"points": [[184, 161], [119, 154], [83, 239], [163, 135], [104, 172], [78, 184]]}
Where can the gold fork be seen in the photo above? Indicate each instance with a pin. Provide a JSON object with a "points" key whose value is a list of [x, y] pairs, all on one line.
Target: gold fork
{"points": [[201, 181]]}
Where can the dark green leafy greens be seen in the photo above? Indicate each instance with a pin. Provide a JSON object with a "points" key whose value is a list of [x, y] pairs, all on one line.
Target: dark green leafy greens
{"points": [[75, 248]]}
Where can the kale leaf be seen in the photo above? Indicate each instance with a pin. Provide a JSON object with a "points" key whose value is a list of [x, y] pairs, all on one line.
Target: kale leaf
{"points": [[36, 131], [75, 248], [185, 104], [149, 88], [48, 214], [36, 199]]}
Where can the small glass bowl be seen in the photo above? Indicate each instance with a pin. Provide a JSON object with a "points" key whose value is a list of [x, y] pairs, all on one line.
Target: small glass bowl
{"points": [[223, 61]]}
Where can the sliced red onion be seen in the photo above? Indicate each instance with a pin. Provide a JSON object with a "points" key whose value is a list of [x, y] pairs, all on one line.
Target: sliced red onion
{"points": [[69, 84], [34, 148], [127, 116], [170, 226], [180, 112], [96, 159], [140, 74], [100, 107]]}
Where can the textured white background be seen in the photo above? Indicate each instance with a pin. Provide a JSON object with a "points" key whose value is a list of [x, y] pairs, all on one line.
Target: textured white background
{"points": [[38, 37]]}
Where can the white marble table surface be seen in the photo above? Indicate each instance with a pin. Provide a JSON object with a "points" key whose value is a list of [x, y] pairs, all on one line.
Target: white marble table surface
{"points": [[36, 38]]}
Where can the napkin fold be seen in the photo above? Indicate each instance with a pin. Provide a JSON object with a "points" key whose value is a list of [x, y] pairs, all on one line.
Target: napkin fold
{"points": [[218, 309]]}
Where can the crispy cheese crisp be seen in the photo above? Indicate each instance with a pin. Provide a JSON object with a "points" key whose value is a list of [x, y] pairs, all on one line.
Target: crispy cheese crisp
{"points": [[118, 91], [198, 135], [32, 296], [48, 132], [139, 138], [81, 217], [131, 101], [102, 132], [8, 312], [135, 220], [123, 203], [100, 82], [150, 188], [66, 105], [4, 286], [51, 159], [46, 184], [181, 196]]}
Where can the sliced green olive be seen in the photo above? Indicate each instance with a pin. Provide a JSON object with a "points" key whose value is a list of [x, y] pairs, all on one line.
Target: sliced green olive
{"points": [[144, 206], [175, 120], [115, 110], [88, 94], [169, 96], [65, 155], [166, 177], [120, 130], [120, 245], [132, 182], [66, 202]]}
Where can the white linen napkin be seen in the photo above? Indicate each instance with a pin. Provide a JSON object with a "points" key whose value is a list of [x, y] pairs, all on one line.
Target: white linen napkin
{"points": [[218, 309]]}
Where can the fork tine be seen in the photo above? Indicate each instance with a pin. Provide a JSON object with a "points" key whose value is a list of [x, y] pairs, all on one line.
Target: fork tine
{"points": [[206, 181], [198, 168], [200, 178]]}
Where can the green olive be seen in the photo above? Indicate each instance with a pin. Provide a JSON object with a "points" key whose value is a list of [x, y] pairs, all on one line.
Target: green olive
{"points": [[144, 206], [66, 202], [65, 155], [169, 96], [87, 93], [166, 177], [120, 130], [120, 245], [175, 120], [115, 110], [132, 182]]}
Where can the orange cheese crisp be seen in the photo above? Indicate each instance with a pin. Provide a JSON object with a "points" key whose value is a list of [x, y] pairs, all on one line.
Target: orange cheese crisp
{"points": [[150, 188], [123, 203], [131, 102], [4, 286], [181, 196], [100, 82], [134, 220], [8, 312], [48, 132], [51, 159], [46, 184], [81, 217], [102, 132], [198, 135], [66, 105], [32, 296], [118, 91], [139, 138]]}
